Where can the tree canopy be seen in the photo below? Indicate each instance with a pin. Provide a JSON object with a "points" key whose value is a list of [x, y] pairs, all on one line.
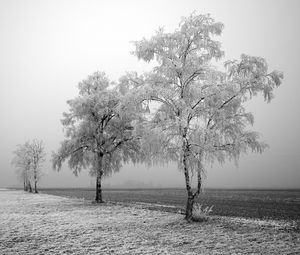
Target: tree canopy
{"points": [[200, 115], [99, 129], [185, 110], [28, 159]]}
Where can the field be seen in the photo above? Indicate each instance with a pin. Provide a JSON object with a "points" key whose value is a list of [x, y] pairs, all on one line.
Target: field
{"points": [[259, 204], [45, 224]]}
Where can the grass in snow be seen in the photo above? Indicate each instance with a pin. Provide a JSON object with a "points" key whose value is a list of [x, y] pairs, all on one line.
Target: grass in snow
{"points": [[46, 224]]}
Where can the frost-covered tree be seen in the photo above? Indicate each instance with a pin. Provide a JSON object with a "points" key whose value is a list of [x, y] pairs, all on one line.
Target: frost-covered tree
{"points": [[22, 162], [100, 131], [28, 159], [37, 156], [199, 115]]}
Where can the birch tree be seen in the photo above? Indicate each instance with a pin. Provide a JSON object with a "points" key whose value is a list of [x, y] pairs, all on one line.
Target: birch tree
{"points": [[28, 159], [37, 157], [99, 129], [22, 162], [200, 115]]}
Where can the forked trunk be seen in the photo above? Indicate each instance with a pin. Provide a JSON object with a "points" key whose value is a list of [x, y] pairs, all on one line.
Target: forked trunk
{"points": [[24, 185], [98, 198]]}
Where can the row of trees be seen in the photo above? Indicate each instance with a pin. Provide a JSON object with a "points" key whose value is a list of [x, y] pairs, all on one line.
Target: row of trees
{"points": [[185, 110], [28, 159]]}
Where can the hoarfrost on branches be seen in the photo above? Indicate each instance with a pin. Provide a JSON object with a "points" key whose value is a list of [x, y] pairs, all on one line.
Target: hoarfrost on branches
{"points": [[28, 158], [22, 161], [200, 116], [100, 131], [37, 155]]}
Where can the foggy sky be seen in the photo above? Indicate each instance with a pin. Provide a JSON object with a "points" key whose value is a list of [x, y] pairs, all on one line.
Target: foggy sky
{"points": [[47, 47]]}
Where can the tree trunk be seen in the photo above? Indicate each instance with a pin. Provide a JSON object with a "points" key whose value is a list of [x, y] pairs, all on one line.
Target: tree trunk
{"points": [[189, 207], [190, 197], [98, 198], [98, 190], [35, 186], [25, 181], [29, 187], [35, 180]]}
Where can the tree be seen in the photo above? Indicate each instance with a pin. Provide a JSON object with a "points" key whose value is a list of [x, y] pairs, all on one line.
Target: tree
{"points": [[28, 159], [200, 115], [37, 157], [22, 161], [99, 130]]}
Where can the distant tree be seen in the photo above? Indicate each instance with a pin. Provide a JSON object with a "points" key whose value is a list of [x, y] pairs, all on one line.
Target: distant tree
{"points": [[99, 130], [28, 159], [199, 115], [22, 162], [37, 157]]}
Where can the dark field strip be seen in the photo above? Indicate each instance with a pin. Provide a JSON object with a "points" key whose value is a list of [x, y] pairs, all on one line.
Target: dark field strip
{"points": [[260, 204]]}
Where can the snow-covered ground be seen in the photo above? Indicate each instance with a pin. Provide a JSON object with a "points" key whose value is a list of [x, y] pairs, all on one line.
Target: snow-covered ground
{"points": [[46, 224]]}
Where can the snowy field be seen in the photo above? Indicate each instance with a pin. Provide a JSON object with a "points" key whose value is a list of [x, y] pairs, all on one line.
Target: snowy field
{"points": [[46, 224]]}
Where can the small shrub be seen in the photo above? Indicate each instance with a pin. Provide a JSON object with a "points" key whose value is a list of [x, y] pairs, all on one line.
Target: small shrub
{"points": [[201, 213]]}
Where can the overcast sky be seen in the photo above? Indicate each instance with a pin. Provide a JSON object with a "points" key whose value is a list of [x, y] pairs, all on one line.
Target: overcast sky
{"points": [[47, 47]]}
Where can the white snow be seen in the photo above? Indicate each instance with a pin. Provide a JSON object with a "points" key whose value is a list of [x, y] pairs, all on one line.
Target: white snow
{"points": [[46, 224]]}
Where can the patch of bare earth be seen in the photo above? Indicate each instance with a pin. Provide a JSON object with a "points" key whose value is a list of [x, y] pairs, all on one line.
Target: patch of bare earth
{"points": [[46, 224]]}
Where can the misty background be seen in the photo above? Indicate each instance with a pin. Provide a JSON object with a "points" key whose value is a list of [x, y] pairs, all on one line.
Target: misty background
{"points": [[47, 47]]}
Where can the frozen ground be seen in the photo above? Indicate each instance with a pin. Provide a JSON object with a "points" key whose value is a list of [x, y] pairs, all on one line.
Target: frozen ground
{"points": [[47, 224]]}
